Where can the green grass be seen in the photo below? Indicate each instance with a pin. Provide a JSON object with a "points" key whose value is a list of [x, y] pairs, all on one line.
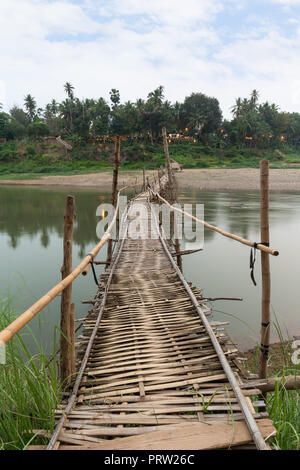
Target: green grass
{"points": [[283, 405], [29, 392]]}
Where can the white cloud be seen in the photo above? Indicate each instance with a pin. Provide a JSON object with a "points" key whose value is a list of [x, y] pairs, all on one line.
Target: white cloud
{"points": [[171, 43], [167, 12], [287, 2]]}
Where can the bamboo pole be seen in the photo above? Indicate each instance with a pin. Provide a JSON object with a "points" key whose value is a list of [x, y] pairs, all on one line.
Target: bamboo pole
{"points": [[258, 246], [135, 187], [168, 164], [114, 190], [65, 306], [72, 341], [265, 268], [290, 382], [144, 180]]}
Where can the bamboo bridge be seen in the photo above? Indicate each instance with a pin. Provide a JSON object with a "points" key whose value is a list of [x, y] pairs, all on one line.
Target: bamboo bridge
{"points": [[156, 374], [153, 372]]}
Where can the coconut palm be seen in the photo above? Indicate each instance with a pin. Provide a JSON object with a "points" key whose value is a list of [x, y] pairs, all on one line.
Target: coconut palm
{"points": [[69, 89], [30, 105]]}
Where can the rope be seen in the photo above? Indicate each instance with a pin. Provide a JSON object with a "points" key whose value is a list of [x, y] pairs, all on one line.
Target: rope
{"points": [[93, 268], [253, 258]]}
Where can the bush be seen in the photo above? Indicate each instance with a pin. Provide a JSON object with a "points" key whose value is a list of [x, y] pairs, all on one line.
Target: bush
{"points": [[38, 129]]}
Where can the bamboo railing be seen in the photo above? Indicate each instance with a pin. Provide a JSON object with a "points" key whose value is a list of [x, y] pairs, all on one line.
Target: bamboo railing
{"points": [[258, 246]]}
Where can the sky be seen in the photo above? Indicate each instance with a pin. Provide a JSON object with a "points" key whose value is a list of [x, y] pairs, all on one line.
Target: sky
{"points": [[223, 48]]}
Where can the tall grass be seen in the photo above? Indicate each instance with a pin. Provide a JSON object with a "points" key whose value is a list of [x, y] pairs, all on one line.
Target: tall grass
{"points": [[283, 406], [29, 392]]}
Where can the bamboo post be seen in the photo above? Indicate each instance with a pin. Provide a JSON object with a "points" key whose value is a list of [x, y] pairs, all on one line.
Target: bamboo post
{"points": [[65, 308], [168, 164], [114, 189], [72, 340], [159, 177], [265, 268], [144, 180], [135, 183]]}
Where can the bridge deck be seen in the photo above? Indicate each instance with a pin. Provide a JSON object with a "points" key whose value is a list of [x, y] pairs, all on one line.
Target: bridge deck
{"points": [[153, 379]]}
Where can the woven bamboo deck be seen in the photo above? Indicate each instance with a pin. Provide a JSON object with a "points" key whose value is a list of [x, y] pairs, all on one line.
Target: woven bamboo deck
{"points": [[153, 379]]}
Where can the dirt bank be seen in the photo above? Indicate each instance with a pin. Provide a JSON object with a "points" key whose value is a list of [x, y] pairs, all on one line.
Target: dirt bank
{"points": [[244, 179]]}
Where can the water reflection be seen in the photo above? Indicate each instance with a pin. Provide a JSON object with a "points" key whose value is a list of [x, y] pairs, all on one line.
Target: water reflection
{"points": [[32, 211]]}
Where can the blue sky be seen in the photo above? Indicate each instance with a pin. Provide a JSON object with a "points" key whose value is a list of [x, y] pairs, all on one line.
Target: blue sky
{"points": [[224, 48]]}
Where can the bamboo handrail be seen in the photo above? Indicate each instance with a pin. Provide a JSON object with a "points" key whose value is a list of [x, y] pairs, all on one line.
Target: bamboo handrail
{"points": [[258, 246], [22, 320]]}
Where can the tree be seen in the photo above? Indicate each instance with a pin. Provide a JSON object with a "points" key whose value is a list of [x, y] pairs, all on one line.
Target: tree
{"points": [[69, 89], [19, 115], [154, 111], [100, 117], [4, 120], [15, 130], [114, 97], [30, 105], [202, 114], [38, 129], [293, 128]]}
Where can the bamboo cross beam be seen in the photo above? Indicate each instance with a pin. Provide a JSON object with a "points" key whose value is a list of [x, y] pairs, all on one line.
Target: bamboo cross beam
{"points": [[186, 252], [258, 246]]}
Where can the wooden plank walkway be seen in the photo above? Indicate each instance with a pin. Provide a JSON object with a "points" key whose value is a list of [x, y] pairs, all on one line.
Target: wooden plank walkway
{"points": [[153, 379]]}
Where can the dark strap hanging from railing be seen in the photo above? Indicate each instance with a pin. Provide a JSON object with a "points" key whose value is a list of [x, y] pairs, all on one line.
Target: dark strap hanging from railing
{"points": [[93, 268], [253, 259]]}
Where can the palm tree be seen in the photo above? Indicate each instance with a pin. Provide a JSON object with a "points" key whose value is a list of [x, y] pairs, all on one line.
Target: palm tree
{"points": [[65, 112], [30, 105], [69, 89], [54, 107], [236, 109]]}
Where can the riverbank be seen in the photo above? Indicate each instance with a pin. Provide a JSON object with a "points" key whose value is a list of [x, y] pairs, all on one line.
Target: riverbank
{"points": [[213, 179], [280, 358]]}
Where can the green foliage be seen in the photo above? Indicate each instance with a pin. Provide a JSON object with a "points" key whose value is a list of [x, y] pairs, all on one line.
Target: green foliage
{"points": [[8, 152], [38, 129], [257, 130], [30, 391], [201, 114]]}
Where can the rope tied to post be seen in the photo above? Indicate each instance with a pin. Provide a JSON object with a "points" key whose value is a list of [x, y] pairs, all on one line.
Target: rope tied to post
{"points": [[93, 267], [265, 350], [253, 258]]}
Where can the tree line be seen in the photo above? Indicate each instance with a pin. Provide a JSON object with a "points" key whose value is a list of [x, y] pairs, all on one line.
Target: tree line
{"points": [[253, 124]]}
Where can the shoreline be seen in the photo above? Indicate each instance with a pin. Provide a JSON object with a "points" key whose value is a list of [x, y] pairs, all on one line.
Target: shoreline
{"points": [[202, 179]]}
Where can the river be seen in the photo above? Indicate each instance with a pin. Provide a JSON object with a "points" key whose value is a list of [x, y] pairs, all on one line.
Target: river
{"points": [[31, 230]]}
